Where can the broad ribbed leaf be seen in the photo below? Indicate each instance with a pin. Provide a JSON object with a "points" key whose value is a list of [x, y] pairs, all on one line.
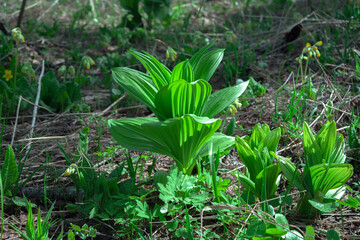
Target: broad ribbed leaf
{"points": [[248, 157], [290, 172], [271, 140], [180, 98], [137, 84], [219, 100], [338, 153], [184, 71], [247, 183], [336, 193], [196, 58], [220, 143], [160, 74], [180, 138], [326, 206], [336, 175], [312, 151], [208, 63], [257, 136], [183, 137], [271, 175], [9, 171], [130, 134], [326, 139]]}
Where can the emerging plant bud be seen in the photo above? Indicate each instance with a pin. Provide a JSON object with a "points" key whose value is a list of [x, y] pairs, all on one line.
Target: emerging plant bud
{"points": [[71, 70], [62, 69]]}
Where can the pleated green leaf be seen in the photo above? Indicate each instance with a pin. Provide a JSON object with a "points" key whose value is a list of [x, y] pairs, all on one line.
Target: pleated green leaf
{"points": [[257, 136], [159, 73], [180, 138], [129, 133], [184, 71], [290, 172], [270, 141], [326, 138], [207, 64], [247, 183], [220, 143], [180, 98], [338, 153], [195, 59], [9, 171], [183, 136], [137, 84], [219, 100], [271, 174], [248, 157], [326, 177], [312, 151]]}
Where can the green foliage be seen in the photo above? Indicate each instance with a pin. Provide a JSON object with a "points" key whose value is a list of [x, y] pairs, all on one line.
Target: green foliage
{"points": [[262, 176], [40, 231], [59, 96], [325, 171], [181, 189], [9, 171], [184, 108], [83, 232], [159, 9]]}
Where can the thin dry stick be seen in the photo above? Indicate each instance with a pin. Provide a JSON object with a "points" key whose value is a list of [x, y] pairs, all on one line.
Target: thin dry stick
{"points": [[328, 80], [36, 103], [18, 11], [16, 121], [113, 104], [52, 5]]}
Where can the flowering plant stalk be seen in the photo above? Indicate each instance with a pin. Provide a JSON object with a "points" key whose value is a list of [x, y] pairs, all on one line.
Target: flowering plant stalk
{"points": [[308, 52]]}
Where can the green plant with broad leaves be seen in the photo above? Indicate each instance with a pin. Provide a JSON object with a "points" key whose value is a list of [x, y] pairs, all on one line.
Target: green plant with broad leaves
{"points": [[276, 229], [324, 173], [261, 177], [184, 126]]}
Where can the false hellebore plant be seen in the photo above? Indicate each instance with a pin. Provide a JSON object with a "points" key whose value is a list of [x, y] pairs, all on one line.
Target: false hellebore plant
{"points": [[261, 177], [184, 126], [324, 173]]}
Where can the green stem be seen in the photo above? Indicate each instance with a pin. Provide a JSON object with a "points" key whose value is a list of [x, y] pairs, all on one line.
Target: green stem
{"points": [[223, 123], [16, 62], [301, 71]]}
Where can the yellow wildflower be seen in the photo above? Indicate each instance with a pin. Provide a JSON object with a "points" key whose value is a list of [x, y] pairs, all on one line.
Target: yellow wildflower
{"points": [[315, 48], [318, 54], [319, 43], [308, 44], [8, 75]]}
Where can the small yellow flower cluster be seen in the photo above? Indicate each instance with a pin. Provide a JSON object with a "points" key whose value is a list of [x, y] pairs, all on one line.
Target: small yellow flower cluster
{"points": [[230, 36], [8, 75], [171, 53], [28, 70], [17, 35], [87, 62], [232, 108], [310, 51]]}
